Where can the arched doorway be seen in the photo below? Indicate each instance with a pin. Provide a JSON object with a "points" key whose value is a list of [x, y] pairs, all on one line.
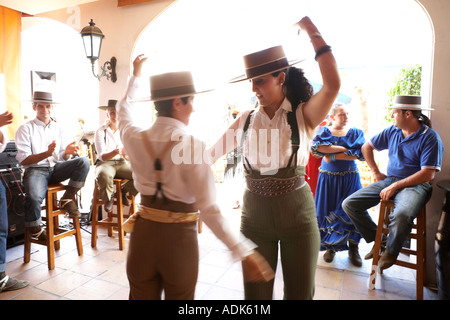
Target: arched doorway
{"points": [[372, 42], [51, 46]]}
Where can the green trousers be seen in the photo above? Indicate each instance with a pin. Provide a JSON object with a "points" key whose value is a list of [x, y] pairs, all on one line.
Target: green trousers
{"points": [[287, 222]]}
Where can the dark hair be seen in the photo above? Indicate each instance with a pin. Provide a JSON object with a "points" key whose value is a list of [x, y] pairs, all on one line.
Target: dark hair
{"points": [[296, 87], [164, 107], [420, 116]]}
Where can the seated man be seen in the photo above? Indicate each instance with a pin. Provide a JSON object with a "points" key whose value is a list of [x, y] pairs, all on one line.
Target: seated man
{"points": [[415, 155], [111, 162], [46, 154]]}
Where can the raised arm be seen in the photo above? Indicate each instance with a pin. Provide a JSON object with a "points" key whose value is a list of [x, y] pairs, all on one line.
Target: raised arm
{"points": [[317, 108]]}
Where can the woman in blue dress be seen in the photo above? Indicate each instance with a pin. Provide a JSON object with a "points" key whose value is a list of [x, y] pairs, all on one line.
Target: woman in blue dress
{"points": [[339, 147]]}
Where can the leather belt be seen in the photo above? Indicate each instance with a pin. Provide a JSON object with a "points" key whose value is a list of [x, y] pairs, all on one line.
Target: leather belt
{"points": [[274, 187]]}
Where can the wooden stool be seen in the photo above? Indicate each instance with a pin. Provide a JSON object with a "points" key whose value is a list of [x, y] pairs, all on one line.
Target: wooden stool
{"points": [[386, 208], [109, 221], [54, 231]]}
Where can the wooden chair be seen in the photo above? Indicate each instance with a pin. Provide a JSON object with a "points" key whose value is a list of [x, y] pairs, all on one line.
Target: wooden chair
{"points": [[386, 208], [54, 231], [113, 219]]}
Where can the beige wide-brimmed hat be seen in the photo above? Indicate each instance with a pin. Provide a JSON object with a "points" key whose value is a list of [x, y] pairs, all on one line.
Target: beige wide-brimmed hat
{"points": [[267, 61], [42, 96], [111, 105], [408, 102], [171, 85]]}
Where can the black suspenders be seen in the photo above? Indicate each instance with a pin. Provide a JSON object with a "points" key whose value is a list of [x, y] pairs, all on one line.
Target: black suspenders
{"points": [[295, 137]]}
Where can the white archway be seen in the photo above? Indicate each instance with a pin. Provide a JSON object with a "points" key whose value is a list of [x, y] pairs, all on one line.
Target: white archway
{"points": [[51, 46], [372, 41]]}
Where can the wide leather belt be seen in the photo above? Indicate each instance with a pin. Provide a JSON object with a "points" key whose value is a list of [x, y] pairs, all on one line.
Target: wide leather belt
{"points": [[274, 187]]}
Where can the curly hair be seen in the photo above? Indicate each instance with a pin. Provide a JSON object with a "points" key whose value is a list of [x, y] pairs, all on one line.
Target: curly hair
{"points": [[296, 87]]}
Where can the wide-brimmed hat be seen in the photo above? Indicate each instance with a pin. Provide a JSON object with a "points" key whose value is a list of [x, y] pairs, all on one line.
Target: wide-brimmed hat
{"points": [[42, 96], [111, 105], [171, 85], [408, 102], [267, 61]]}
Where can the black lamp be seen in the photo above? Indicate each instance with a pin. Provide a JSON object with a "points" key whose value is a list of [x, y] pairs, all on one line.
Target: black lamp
{"points": [[92, 39]]}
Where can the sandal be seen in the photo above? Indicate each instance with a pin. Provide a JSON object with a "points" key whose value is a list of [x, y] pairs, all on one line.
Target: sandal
{"points": [[9, 284]]}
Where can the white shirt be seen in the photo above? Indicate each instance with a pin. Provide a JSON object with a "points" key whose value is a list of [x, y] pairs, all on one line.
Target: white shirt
{"points": [[106, 141], [34, 137], [183, 180], [268, 143]]}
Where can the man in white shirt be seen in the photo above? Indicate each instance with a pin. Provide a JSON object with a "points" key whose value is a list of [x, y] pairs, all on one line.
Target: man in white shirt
{"points": [[111, 162], [45, 152], [163, 251]]}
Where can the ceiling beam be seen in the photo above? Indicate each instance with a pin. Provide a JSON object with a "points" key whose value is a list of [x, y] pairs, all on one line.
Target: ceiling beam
{"points": [[122, 3]]}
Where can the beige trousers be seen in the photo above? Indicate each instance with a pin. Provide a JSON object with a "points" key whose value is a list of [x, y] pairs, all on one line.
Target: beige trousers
{"points": [[106, 171]]}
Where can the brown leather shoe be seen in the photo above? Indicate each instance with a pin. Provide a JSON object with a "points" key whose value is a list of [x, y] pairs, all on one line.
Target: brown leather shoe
{"points": [[328, 256], [38, 233], [386, 261], [383, 247], [353, 254], [71, 207]]}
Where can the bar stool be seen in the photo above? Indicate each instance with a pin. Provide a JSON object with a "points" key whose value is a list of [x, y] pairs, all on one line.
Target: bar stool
{"points": [[113, 219], [386, 208], [54, 231]]}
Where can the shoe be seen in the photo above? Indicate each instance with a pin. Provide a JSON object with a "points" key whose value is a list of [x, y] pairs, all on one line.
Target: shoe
{"points": [[70, 207], [387, 260], [125, 200], [328, 256], [38, 233], [383, 247], [353, 254], [9, 284], [109, 203]]}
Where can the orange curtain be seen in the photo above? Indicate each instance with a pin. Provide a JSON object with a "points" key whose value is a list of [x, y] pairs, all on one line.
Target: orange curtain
{"points": [[10, 29]]}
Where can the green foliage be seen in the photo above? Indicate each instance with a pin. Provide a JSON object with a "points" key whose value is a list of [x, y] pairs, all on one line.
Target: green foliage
{"points": [[408, 83]]}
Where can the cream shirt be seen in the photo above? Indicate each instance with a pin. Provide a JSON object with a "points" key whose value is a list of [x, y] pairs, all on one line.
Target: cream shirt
{"points": [[106, 141], [34, 137], [268, 142], [185, 178]]}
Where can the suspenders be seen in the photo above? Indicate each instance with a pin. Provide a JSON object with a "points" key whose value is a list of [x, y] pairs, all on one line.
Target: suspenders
{"points": [[295, 138], [157, 165]]}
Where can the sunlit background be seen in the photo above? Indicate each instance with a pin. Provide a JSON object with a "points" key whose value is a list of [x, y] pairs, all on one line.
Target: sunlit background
{"points": [[371, 40]]}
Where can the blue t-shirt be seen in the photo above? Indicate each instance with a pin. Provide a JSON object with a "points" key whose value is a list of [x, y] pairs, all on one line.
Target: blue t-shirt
{"points": [[421, 150]]}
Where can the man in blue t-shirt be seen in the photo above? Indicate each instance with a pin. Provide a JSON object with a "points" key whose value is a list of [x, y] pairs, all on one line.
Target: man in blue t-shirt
{"points": [[415, 155]]}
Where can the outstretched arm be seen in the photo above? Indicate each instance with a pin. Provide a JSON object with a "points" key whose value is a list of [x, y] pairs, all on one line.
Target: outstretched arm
{"points": [[317, 108]]}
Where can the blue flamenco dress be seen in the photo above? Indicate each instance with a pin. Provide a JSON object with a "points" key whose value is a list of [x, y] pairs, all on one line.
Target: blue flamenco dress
{"points": [[337, 180]]}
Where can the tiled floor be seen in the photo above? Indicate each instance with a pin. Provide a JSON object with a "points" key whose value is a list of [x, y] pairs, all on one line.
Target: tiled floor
{"points": [[99, 274]]}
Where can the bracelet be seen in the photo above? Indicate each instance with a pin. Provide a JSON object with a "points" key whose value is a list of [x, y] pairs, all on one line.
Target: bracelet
{"points": [[333, 158], [321, 51], [315, 35]]}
